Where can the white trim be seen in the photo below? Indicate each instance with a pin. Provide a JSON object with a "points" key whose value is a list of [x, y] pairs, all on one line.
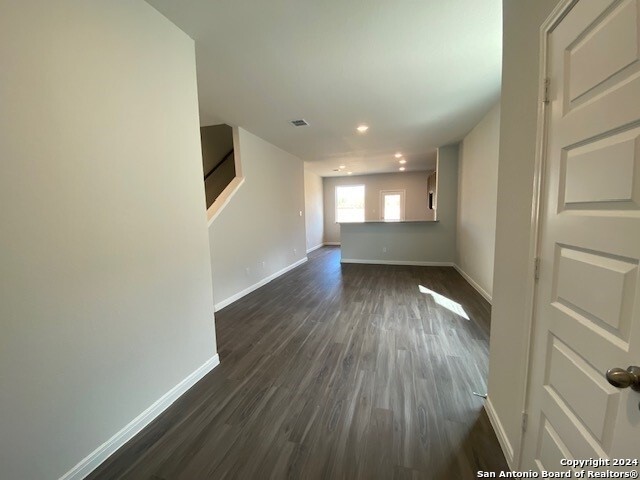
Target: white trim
{"points": [[223, 199], [473, 283], [104, 451], [331, 243], [320, 245], [234, 185], [507, 449], [228, 301], [558, 13], [397, 262], [230, 190], [237, 156]]}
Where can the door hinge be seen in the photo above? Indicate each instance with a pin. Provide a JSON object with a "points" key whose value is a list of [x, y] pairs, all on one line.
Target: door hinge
{"points": [[536, 268], [547, 87], [525, 419]]}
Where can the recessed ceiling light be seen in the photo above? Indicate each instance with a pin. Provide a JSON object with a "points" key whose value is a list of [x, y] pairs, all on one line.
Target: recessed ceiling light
{"points": [[362, 128], [401, 169], [342, 167], [398, 155], [403, 161], [349, 173]]}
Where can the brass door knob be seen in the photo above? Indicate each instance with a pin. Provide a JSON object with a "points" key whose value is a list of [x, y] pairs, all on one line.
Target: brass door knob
{"points": [[625, 378]]}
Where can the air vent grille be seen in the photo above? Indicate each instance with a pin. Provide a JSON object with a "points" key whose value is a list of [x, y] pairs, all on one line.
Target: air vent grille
{"points": [[299, 123]]}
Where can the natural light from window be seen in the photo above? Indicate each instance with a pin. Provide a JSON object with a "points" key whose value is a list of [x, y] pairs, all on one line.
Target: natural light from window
{"points": [[350, 203], [392, 205], [445, 302]]}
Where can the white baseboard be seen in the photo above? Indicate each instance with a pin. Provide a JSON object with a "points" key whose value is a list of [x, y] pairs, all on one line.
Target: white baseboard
{"points": [[397, 262], [228, 301], [473, 283], [108, 448], [320, 245], [331, 243], [507, 449]]}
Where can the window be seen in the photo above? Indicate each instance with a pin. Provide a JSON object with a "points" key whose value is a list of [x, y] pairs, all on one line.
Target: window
{"points": [[392, 205], [350, 203]]}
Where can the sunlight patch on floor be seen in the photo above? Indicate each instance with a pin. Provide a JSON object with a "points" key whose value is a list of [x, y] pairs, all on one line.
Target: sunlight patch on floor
{"points": [[447, 303]]}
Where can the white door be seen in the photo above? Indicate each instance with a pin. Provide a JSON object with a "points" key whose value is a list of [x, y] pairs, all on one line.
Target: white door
{"points": [[587, 301]]}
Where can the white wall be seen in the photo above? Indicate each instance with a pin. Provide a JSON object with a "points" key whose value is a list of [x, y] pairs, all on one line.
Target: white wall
{"points": [[105, 281], [261, 223], [314, 209], [395, 243], [432, 242], [477, 197], [413, 183], [511, 283]]}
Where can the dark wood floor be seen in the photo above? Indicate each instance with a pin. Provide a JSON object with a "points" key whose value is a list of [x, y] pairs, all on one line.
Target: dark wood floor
{"points": [[333, 372]]}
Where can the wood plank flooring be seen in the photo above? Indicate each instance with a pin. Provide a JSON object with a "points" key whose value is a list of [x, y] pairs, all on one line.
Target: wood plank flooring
{"points": [[333, 372]]}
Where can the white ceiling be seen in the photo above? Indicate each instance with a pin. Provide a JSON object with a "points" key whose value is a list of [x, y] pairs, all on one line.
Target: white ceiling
{"points": [[420, 73]]}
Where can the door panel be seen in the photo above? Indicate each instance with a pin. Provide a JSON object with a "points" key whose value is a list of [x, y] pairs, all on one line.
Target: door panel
{"points": [[591, 60], [586, 182], [606, 293], [551, 449], [587, 306], [572, 380]]}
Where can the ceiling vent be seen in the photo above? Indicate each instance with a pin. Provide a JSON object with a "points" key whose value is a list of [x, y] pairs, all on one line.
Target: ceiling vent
{"points": [[299, 123]]}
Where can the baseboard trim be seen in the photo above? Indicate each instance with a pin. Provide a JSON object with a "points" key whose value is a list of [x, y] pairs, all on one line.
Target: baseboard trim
{"points": [[228, 301], [328, 244], [108, 448], [507, 449], [397, 262], [320, 245], [474, 284]]}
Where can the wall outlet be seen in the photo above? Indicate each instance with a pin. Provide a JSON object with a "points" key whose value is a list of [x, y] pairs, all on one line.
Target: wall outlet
{"points": [[264, 264], [384, 249], [295, 251], [247, 271], [300, 212]]}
